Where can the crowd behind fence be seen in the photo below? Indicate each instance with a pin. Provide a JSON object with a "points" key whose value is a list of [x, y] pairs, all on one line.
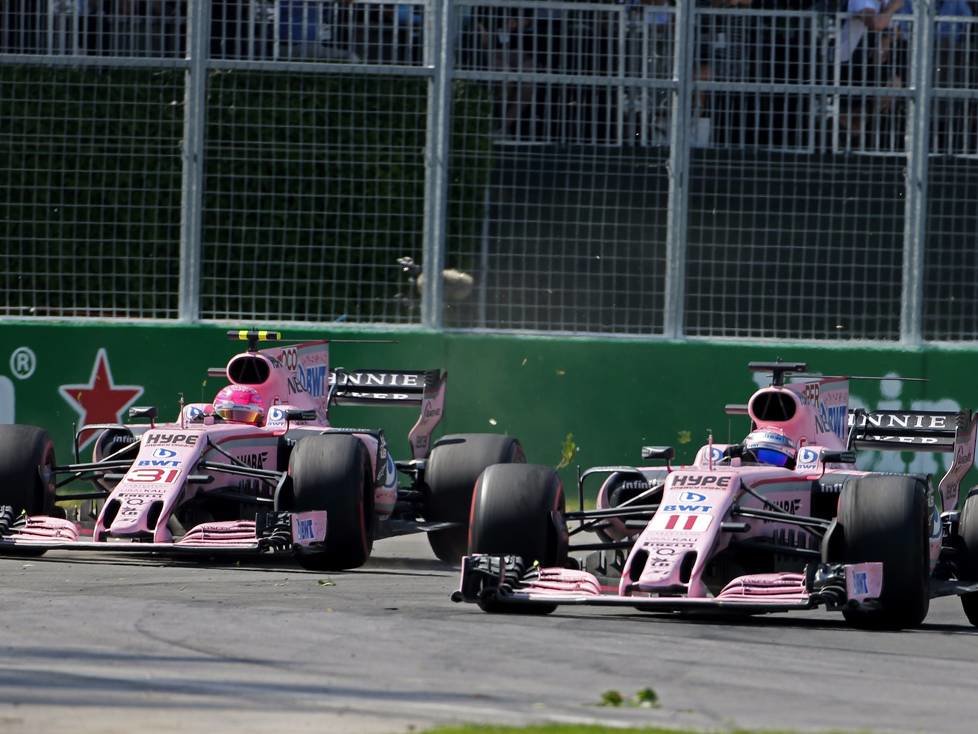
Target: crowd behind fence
{"points": [[732, 168]]}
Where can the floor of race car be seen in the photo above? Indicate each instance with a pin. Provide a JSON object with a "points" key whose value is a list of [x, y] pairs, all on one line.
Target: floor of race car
{"points": [[100, 644]]}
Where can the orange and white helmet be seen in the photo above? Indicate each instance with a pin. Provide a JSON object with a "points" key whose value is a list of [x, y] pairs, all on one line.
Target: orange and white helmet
{"points": [[241, 404]]}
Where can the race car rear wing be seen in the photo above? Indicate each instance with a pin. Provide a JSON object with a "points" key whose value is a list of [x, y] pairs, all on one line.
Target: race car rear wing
{"points": [[920, 430], [905, 430], [383, 387], [425, 388]]}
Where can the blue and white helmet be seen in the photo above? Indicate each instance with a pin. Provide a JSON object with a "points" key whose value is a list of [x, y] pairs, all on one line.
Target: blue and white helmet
{"points": [[769, 446]]}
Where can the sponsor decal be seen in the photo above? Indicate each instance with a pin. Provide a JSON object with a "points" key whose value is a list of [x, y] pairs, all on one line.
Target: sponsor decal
{"points": [[255, 461], [312, 380], [860, 583], [808, 456], [153, 476], [164, 453], [703, 481], [892, 421], [157, 462], [99, 400], [697, 523], [831, 419], [304, 530], [276, 414], [716, 454], [692, 497], [687, 508], [791, 506], [378, 379], [810, 393], [170, 439]]}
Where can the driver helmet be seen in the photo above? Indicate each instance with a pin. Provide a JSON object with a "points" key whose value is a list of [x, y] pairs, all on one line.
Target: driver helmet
{"points": [[239, 403], [769, 446]]}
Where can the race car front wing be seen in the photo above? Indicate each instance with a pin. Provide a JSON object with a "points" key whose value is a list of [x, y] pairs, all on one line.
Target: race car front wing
{"points": [[269, 532], [505, 583]]}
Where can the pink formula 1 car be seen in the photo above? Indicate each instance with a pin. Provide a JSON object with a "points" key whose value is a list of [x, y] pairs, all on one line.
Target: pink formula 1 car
{"points": [[782, 521], [260, 469]]}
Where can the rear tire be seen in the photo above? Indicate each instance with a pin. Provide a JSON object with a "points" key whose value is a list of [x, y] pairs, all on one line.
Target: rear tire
{"points": [[968, 532], [26, 474], [518, 510], [454, 465], [332, 473], [885, 518]]}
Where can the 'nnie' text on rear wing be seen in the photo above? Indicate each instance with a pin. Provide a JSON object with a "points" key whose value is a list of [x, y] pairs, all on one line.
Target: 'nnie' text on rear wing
{"points": [[384, 387], [425, 388], [917, 430]]}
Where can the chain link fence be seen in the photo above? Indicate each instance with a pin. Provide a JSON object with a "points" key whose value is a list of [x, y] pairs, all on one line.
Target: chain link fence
{"points": [[724, 169]]}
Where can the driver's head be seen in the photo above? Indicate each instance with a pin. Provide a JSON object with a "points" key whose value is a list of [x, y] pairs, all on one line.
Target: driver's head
{"points": [[240, 404], [769, 446]]}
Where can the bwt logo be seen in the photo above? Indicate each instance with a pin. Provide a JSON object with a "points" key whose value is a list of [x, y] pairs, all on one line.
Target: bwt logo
{"points": [[807, 456], [832, 418], [164, 453], [692, 497], [313, 380], [687, 508]]}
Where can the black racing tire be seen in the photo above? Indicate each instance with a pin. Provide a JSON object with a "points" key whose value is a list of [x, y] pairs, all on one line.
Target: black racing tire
{"points": [[968, 533], [453, 466], [886, 518], [518, 510], [26, 474], [331, 472]]}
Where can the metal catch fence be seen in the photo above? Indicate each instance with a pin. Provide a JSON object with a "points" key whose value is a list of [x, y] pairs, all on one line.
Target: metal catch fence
{"points": [[657, 168]]}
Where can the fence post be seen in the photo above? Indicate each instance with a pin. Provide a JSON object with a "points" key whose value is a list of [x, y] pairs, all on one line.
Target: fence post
{"points": [[438, 48], [678, 200], [192, 154], [918, 146]]}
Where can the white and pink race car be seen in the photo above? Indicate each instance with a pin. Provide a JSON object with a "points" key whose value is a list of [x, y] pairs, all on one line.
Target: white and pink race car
{"points": [[259, 470], [782, 521]]}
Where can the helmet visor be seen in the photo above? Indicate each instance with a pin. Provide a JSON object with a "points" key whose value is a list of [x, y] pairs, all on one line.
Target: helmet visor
{"points": [[238, 413], [771, 456]]}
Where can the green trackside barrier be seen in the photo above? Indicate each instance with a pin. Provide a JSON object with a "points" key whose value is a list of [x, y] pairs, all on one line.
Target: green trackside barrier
{"points": [[571, 401]]}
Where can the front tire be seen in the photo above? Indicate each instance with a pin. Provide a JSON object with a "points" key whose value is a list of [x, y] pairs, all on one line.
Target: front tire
{"points": [[518, 510], [885, 518], [26, 474], [455, 463], [332, 473]]}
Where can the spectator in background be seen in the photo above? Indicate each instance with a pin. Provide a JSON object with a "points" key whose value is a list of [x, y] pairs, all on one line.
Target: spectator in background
{"points": [[509, 38], [716, 57], [871, 53]]}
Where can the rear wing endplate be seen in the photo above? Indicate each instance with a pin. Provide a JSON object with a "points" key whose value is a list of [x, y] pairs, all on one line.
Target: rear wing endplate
{"points": [[919, 430], [422, 388]]}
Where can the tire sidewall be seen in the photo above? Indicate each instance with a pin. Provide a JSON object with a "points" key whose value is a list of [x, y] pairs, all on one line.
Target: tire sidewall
{"points": [[332, 473], [885, 518]]}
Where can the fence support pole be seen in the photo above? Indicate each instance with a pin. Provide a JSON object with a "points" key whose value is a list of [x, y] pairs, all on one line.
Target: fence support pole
{"points": [[677, 215], [918, 147], [439, 44], [192, 154]]}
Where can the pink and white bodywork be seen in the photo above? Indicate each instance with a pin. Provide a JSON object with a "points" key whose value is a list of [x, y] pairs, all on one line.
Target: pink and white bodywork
{"points": [[729, 532], [205, 483]]}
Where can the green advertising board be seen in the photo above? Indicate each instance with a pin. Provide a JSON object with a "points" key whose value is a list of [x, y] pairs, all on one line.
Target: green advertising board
{"points": [[571, 401]]}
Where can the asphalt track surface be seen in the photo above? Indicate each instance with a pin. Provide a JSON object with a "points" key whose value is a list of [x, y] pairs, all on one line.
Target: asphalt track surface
{"points": [[100, 643]]}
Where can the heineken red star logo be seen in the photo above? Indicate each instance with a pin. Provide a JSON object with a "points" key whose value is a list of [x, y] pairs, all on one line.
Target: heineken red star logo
{"points": [[100, 400]]}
